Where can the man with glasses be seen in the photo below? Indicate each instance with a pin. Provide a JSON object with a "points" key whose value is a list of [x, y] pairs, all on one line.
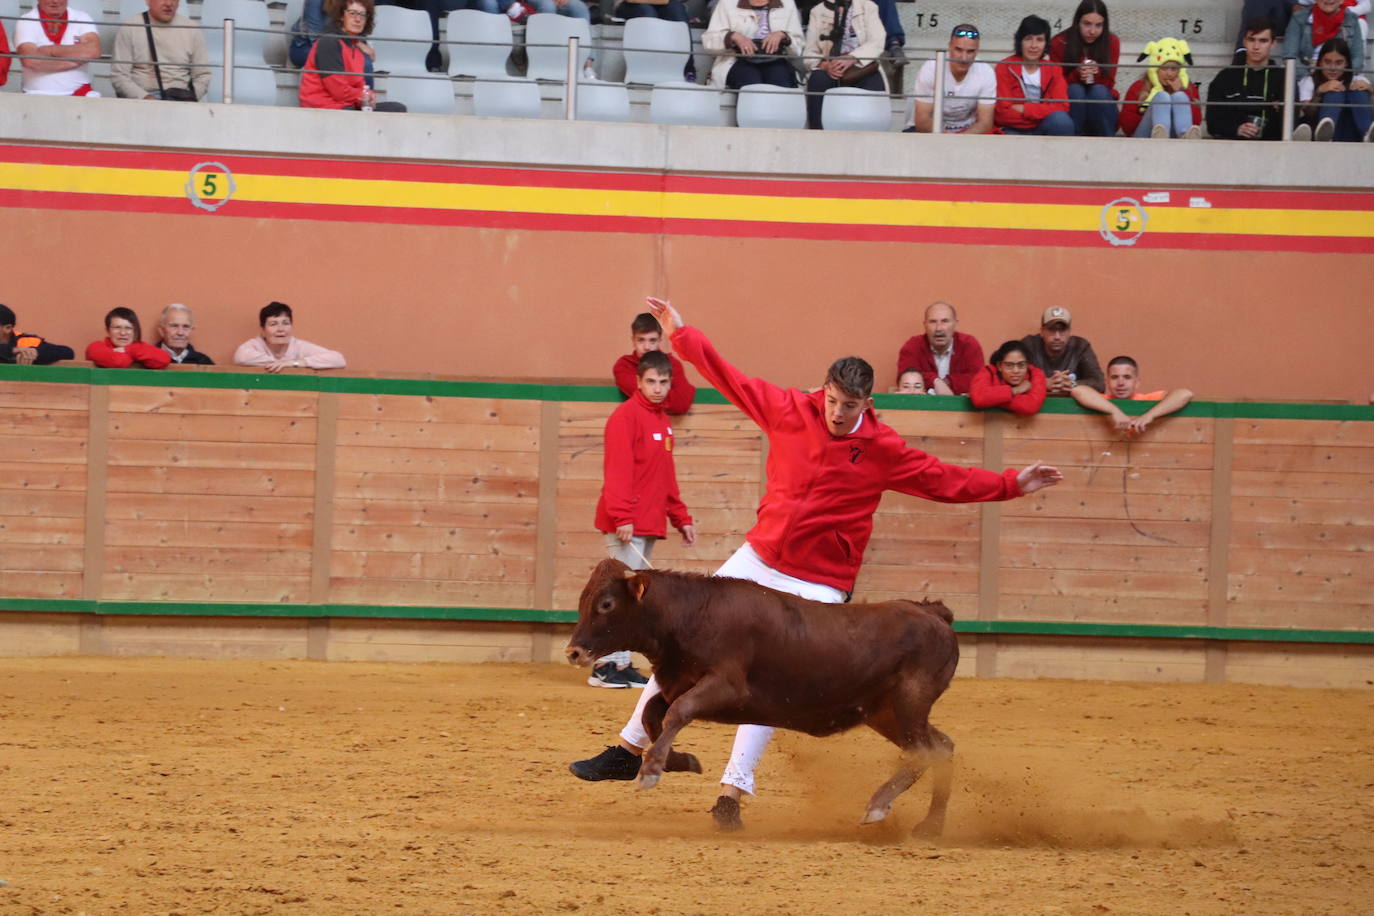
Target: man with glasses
{"points": [[970, 89]]}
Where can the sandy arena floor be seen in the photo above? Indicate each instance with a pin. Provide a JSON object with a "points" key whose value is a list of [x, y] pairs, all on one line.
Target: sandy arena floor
{"points": [[171, 786]]}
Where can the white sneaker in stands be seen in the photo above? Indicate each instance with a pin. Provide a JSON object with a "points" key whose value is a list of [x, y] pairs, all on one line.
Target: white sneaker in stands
{"points": [[1326, 129], [1302, 132], [1159, 132], [1193, 133]]}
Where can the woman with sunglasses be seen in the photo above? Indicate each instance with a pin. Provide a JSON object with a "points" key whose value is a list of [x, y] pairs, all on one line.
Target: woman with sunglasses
{"points": [[1010, 381], [335, 72], [1032, 98], [1089, 52]]}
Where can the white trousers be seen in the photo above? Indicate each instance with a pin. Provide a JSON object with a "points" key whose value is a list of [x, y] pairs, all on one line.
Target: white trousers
{"points": [[750, 740], [635, 554]]}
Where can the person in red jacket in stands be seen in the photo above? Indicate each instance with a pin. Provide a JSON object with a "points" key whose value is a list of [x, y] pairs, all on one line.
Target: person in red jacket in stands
{"points": [[946, 358], [1032, 97], [1009, 380], [334, 72], [646, 336], [638, 490], [829, 461], [123, 346]]}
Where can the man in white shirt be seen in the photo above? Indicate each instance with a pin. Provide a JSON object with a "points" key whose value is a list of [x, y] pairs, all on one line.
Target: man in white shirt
{"points": [[57, 45], [970, 89]]}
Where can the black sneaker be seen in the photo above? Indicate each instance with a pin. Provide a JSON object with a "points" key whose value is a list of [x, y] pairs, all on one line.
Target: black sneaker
{"points": [[613, 763], [607, 674], [631, 677]]}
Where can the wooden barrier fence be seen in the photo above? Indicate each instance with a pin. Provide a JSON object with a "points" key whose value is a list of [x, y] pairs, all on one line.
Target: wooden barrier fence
{"points": [[223, 513]]}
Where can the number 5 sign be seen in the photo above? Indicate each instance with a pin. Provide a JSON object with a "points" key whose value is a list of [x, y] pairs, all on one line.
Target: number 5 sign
{"points": [[1123, 221], [210, 185]]}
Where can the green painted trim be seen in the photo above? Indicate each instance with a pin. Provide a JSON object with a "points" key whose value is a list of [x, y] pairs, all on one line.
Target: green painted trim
{"points": [[606, 394], [526, 615]]}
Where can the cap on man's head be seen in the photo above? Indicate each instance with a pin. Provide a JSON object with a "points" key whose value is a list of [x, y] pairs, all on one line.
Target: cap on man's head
{"points": [[6, 315], [1056, 314]]}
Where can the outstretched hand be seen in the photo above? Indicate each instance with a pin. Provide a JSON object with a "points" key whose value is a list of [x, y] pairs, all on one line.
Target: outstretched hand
{"points": [[667, 316], [1037, 477]]}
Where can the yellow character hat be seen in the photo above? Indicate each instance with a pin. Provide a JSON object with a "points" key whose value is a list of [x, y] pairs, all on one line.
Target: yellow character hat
{"points": [[1165, 51]]}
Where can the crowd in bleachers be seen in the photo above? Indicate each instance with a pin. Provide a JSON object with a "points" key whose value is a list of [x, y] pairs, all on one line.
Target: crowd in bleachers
{"points": [[832, 54]]}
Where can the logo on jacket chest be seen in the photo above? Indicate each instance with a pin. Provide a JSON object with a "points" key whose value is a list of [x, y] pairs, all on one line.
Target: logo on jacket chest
{"points": [[666, 438], [856, 454]]}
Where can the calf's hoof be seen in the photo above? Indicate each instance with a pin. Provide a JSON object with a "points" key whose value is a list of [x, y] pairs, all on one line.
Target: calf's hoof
{"points": [[647, 780], [930, 828], [682, 762], [874, 815], [726, 814]]}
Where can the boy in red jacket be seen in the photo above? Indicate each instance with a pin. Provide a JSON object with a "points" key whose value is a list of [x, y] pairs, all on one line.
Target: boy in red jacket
{"points": [[639, 489], [829, 461], [646, 336]]}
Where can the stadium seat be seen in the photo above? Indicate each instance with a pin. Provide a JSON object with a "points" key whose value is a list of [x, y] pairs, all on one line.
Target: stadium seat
{"points": [[603, 102], [402, 38], [546, 40], [850, 108], [655, 50], [429, 95], [480, 43], [764, 105], [506, 98], [684, 103]]}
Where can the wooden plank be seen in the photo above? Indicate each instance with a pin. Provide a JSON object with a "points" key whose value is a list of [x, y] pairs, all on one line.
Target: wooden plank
{"points": [[1134, 558], [97, 467], [717, 494], [435, 515], [501, 541], [476, 463], [44, 395], [1249, 561], [1218, 561], [18, 559], [387, 486], [176, 427], [546, 523], [228, 482], [1066, 501], [1107, 531], [1121, 608], [1323, 459], [46, 451], [221, 561], [1304, 432], [230, 586], [239, 402], [60, 503], [1301, 507], [1299, 535], [1087, 454], [187, 507], [1293, 665], [1092, 583], [196, 533], [45, 422], [914, 581], [1320, 485], [351, 564], [240, 455], [30, 635], [1305, 589], [427, 409], [430, 592], [738, 465], [1177, 661], [411, 434], [947, 424], [223, 637], [68, 532], [20, 475], [327, 436], [45, 584], [1323, 614]]}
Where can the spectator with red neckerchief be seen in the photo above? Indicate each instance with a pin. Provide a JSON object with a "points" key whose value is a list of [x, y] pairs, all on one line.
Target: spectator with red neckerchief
{"points": [[123, 346], [57, 44]]}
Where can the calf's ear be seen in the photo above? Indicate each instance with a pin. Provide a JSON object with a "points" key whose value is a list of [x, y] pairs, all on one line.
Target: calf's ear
{"points": [[636, 584]]}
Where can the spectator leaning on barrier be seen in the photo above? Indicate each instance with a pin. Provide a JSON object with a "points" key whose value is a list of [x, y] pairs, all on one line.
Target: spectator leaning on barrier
{"points": [[123, 346], [646, 336], [175, 328], [1010, 381], [1090, 53], [755, 41], [970, 89], [1245, 101], [57, 44], [1032, 98], [853, 63], [1335, 100], [334, 74], [909, 381], [946, 358], [182, 70], [1123, 384], [278, 348], [26, 349], [1308, 30], [1065, 359], [1164, 102]]}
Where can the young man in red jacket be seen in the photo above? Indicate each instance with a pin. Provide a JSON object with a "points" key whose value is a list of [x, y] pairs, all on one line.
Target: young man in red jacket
{"points": [[646, 336], [638, 490], [829, 461]]}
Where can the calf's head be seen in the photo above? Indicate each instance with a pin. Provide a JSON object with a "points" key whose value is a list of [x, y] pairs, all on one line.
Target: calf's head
{"points": [[609, 613]]}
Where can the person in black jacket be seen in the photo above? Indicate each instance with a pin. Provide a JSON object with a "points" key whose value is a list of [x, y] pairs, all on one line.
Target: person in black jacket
{"points": [[175, 329], [1257, 82], [26, 349]]}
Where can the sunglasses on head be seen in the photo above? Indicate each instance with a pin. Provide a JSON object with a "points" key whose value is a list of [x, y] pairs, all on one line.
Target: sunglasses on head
{"points": [[965, 33]]}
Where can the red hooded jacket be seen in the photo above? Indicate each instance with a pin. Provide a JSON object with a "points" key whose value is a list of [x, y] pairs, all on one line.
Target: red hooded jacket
{"points": [[333, 73], [816, 516], [138, 353], [1054, 94], [988, 390], [639, 480]]}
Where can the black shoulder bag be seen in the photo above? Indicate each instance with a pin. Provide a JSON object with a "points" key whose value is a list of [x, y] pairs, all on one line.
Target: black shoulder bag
{"points": [[176, 93]]}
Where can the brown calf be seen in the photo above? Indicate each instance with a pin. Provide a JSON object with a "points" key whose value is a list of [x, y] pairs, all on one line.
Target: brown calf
{"points": [[728, 650]]}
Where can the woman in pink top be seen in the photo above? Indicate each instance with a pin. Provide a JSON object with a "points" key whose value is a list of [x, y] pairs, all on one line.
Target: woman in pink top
{"points": [[123, 346], [279, 349]]}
